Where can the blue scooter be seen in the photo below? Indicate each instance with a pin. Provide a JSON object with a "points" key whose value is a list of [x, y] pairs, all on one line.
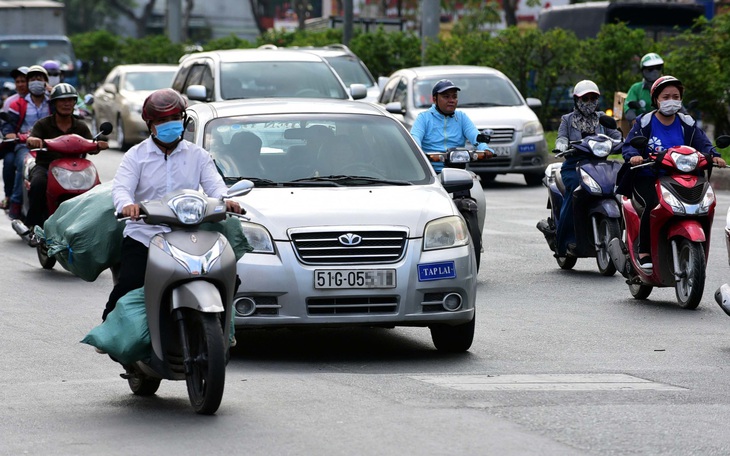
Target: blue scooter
{"points": [[597, 216]]}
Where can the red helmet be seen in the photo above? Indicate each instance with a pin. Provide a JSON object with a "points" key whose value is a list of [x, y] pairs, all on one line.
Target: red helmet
{"points": [[661, 83], [163, 103]]}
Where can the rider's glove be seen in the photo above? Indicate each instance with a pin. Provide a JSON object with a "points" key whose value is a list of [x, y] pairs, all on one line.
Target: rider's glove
{"points": [[561, 144]]}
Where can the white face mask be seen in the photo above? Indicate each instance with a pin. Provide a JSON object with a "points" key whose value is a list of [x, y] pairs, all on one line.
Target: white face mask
{"points": [[53, 80], [670, 107]]}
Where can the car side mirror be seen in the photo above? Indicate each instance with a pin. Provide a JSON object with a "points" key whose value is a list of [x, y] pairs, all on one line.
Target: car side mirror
{"points": [[197, 93], [534, 103], [395, 107], [109, 88], [358, 91]]}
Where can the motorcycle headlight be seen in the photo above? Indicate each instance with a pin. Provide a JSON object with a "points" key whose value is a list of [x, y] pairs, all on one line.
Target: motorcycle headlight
{"points": [[673, 202], [189, 209], [258, 237], [591, 183], [533, 128], [445, 233], [75, 180], [707, 200], [460, 156], [600, 148], [685, 163]]}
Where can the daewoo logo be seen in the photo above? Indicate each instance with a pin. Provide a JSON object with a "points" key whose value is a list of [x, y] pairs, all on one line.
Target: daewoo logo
{"points": [[350, 239]]}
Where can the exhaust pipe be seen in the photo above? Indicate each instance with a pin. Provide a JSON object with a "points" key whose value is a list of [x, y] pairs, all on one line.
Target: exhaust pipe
{"points": [[20, 228], [722, 297]]}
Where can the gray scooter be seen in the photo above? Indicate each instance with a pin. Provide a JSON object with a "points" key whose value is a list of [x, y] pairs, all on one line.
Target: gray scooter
{"points": [[189, 286]]}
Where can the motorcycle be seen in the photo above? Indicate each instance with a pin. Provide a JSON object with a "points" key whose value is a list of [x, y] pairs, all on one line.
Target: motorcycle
{"points": [[68, 176], [471, 203], [597, 217], [680, 226], [189, 286]]}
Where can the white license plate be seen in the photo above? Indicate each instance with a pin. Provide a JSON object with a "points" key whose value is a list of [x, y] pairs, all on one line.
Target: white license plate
{"points": [[502, 151], [354, 278]]}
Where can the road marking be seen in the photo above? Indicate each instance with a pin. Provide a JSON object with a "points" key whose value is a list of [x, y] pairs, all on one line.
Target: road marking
{"points": [[545, 382]]}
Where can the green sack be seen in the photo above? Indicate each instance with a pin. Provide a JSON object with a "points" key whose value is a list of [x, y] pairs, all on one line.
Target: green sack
{"points": [[84, 235], [231, 229], [124, 334]]}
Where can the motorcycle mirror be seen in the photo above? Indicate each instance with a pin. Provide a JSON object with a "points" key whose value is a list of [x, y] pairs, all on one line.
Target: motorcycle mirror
{"points": [[240, 188], [634, 104], [639, 142], [88, 99], [722, 141], [608, 122], [105, 128]]}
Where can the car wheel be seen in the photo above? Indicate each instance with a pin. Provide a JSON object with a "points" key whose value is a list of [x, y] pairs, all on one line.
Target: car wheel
{"points": [[121, 138], [453, 339], [487, 178], [533, 179]]}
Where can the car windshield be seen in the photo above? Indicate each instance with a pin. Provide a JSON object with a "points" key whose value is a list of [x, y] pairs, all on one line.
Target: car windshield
{"points": [[279, 79], [147, 80], [315, 150], [477, 91], [351, 71]]}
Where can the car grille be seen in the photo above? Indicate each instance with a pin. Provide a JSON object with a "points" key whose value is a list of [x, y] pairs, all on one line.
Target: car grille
{"points": [[361, 305], [501, 135], [375, 247]]}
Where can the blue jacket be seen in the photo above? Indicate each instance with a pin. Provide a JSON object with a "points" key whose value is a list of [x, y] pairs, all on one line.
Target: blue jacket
{"points": [[435, 132]]}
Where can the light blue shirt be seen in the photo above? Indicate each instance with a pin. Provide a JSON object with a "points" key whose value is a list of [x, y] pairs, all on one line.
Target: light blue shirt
{"points": [[435, 132], [35, 113]]}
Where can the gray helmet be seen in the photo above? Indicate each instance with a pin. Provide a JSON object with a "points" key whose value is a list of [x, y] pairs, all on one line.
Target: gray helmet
{"points": [[63, 90]]}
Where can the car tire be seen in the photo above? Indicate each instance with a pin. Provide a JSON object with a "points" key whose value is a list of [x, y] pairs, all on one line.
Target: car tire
{"points": [[453, 339], [533, 179], [120, 135]]}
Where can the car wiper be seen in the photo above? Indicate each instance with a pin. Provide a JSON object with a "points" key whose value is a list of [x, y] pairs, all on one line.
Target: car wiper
{"points": [[351, 180], [258, 182]]}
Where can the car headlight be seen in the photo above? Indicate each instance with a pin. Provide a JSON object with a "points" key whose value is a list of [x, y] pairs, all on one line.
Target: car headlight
{"points": [[445, 233], [707, 200], [258, 237], [591, 183], [600, 148], [460, 156], [75, 180], [533, 128], [685, 163], [672, 201], [189, 209], [135, 108]]}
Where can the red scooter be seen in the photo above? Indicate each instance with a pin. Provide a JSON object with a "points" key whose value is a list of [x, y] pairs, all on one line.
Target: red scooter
{"points": [[680, 226], [68, 176]]}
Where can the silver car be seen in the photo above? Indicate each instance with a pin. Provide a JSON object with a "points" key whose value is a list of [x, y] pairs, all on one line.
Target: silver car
{"points": [[119, 99], [349, 223], [491, 101]]}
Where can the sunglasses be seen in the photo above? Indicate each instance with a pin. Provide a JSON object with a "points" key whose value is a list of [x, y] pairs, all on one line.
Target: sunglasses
{"points": [[589, 97]]}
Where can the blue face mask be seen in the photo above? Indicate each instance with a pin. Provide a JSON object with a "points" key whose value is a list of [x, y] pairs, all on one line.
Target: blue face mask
{"points": [[168, 132]]}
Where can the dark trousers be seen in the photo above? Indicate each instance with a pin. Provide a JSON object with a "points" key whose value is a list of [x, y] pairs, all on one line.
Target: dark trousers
{"points": [[565, 224], [131, 272], [37, 206], [645, 192], [9, 172]]}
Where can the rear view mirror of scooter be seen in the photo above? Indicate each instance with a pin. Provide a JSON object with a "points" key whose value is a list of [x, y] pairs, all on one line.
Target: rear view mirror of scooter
{"points": [[104, 129], [722, 141], [639, 142], [608, 122], [240, 188]]}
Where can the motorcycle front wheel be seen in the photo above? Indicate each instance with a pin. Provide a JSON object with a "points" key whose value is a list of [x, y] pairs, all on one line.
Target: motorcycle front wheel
{"points": [[691, 285], [607, 230], [43, 258], [142, 385], [207, 375], [640, 291]]}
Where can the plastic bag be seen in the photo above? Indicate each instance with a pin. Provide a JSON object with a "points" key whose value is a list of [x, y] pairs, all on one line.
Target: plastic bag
{"points": [[84, 235], [124, 335]]}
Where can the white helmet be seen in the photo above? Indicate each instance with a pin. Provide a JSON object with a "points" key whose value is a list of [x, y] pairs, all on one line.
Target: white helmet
{"points": [[584, 87], [651, 59]]}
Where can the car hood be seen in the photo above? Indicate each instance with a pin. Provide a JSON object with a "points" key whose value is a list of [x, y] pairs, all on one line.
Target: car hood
{"points": [[498, 116], [279, 209], [136, 96]]}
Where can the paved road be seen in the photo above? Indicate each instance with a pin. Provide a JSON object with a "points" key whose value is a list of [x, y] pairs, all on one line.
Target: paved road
{"points": [[563, 363]]}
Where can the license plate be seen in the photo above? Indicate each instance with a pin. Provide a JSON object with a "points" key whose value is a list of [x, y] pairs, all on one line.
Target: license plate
{"points": [[354, 278], [502, 151], [436, 271]]}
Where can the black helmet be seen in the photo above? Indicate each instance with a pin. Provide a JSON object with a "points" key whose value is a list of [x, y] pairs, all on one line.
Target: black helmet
{"points": [[63, 90]]}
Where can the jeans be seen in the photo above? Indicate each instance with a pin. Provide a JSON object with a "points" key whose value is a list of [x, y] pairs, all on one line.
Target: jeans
{"points": [[21, 150], [565, 224]]}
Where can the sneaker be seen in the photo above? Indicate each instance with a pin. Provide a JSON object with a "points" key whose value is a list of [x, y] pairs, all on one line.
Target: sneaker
{"points": [[646, 263], [5, 203], [15, 209]]}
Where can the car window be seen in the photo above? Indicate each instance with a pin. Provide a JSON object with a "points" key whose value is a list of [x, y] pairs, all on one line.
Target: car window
{"points": [[115, 81], [478, 91], [401, 92], [388, 90], [351, 70], [189, 133], [148, 80], [206, 80], [182, 74], [279, 79], [285, 148]]}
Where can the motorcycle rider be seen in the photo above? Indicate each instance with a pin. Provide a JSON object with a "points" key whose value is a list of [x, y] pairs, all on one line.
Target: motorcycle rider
{"points": [[442, 126], [61, 122], [23, 114], [574, 126], [162, 163], [665, 127], [55, 73], [20, 76], [651, 66]]}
